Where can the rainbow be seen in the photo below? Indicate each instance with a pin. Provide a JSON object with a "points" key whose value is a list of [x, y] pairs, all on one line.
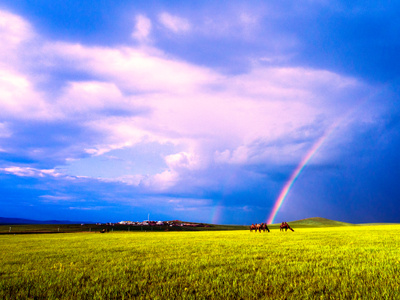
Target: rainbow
{"points": [[217, 212], [284, 192]]}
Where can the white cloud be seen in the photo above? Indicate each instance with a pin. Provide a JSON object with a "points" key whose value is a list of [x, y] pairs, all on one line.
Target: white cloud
{"points": [[134, 180], [174, 23], [206, 113], [19, 98], [14, 31], [88, 207], [239, 23], [163, 181], [31, 172], [142, 28], [132, 69], [90, 96], [182, 160], [136, 95], [55, 199]]}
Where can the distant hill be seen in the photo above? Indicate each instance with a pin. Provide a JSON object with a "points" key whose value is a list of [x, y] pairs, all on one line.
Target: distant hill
{"points": [[319, 222], [17, 221], [310, 222]]}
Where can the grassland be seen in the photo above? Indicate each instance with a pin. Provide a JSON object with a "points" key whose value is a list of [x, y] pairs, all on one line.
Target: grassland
{"points": [[318, 222], [348, 262]]}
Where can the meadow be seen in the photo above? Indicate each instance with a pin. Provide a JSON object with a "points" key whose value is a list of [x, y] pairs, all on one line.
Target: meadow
{"points": [[348, 262]]}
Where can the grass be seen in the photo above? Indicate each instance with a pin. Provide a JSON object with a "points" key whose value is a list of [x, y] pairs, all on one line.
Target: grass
{"points": [[348, 262], [318, 222]]}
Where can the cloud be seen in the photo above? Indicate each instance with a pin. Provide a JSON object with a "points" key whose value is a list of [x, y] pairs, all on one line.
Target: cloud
{"points": [[90, 97], [134, 70], [14, 31], [55, 198], [174, 23], [182, 160], [134, 180], [230, 111], [134, 92], [142, 28], [252, 123], [31, 172], [88, 207], [19, 98]]}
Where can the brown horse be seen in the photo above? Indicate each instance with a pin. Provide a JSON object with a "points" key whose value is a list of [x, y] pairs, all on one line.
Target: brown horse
{"points": [[259, 227], [285, 226], [265, 227]]}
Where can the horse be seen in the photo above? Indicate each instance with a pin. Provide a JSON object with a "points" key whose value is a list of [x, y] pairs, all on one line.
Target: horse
{"points": [[258, 227], [285, 226], [265, 227]]}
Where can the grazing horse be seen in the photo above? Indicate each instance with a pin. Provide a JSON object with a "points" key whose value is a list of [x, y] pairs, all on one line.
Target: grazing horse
{"points": [[285, 226], [265, 227], [258, 227]]}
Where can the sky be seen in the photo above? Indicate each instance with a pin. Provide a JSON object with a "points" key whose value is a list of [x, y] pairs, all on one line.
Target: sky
{"points": [[228, 112]]}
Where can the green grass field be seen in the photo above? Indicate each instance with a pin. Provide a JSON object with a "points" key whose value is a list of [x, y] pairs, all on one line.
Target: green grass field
{"points": [[348, 262]]}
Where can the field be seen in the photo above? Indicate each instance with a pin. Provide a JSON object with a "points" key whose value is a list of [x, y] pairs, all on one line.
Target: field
{"points": [[348, 262]]}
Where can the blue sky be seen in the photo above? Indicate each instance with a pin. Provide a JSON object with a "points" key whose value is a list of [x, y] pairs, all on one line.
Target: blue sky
{"points": [[199, 111]]}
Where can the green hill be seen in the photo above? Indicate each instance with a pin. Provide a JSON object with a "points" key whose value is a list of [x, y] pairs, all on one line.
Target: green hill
{"points": [[318, 222]]}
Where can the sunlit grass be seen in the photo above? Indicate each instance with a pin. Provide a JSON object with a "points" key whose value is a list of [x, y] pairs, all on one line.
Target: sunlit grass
{"points": [[360, 262]]}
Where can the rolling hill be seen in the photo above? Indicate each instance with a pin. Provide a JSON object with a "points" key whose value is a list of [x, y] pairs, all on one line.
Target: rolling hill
{"points": [[318, 222]]}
